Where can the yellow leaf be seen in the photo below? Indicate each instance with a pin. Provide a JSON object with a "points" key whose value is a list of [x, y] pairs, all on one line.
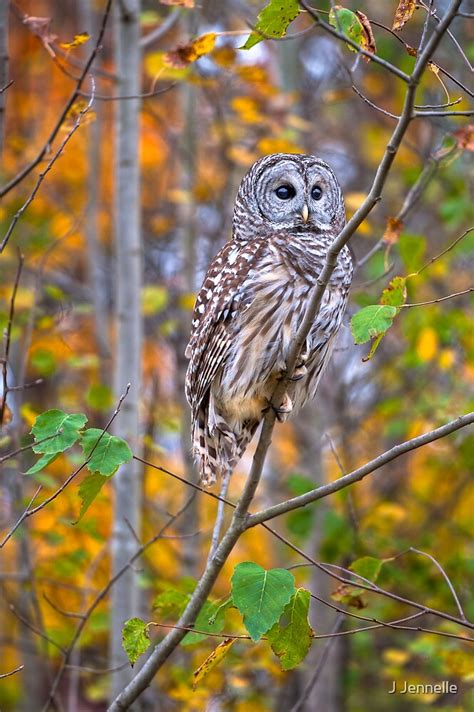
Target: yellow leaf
{"points": [[427, 344], [157, 67], [247, 109], [395, 656], [446, 359], [180, 197], [187, 301], [28, 413], [78, 40], [212, 660], [224, 56], [354, 200], [278, 145], [154, 299], [241, 156], [25, 298], [186, 54], [403, 13]]}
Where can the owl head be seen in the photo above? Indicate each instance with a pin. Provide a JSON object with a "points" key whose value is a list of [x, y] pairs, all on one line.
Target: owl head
{"points": [[285, 191]]}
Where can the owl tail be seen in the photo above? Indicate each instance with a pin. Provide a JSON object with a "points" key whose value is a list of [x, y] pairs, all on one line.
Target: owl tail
{"points": [[217, 452]]}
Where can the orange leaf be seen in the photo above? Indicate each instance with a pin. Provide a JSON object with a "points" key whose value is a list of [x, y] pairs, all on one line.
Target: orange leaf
{"points": [[404, 11], [186, 54], [393, 230], [465, 137], [368, 37]]}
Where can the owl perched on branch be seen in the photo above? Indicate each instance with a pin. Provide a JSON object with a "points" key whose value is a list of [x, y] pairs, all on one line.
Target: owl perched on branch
{"points": [[288, 210]]}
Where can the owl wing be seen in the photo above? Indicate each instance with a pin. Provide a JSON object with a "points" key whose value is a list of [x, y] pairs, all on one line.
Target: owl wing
{"points": [[223, 295]]}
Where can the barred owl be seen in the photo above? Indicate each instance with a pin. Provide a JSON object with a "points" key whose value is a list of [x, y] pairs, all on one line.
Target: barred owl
{"points": [[289, 209]]}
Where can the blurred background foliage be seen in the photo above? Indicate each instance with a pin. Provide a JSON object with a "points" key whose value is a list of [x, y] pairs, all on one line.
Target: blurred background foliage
{"points": [[217, 115]]}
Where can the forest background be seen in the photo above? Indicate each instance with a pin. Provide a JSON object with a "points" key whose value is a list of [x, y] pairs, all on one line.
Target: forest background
{"points": [[125, 128]]}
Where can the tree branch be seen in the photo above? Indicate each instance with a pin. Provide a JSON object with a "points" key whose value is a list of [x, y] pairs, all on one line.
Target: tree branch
{"points": [[357, 475]]}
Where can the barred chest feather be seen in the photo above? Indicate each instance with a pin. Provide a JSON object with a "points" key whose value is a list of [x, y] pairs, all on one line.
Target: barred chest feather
{"points": [[277, 293]]}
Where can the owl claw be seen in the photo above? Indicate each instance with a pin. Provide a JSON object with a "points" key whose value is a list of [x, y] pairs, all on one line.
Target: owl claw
{"points": [[299, 372], [284, 410]]}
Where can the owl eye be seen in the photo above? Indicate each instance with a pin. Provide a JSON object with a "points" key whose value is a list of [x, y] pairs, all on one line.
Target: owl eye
{"points": [[316, 192], [285, 192]]}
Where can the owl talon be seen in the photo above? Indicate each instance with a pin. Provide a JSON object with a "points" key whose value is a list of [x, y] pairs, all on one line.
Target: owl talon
{"points": [[299, 372], [284, 410]]}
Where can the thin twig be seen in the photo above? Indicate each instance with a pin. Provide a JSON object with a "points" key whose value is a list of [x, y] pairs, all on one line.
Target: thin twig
{"points": [[445, 576], [374, 106], [440, 299], [358, 474], [101, 595], [12, 672], [21, 519], [44, 173], [44, 150], [28, 511], [448, 249]]}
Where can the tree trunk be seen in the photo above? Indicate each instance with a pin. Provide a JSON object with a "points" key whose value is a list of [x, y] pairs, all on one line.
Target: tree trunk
{"points": [[127, 481], [97, 272], [3, 69]]}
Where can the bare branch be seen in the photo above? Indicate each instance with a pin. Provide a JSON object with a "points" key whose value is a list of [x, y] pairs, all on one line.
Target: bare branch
{"points": [[45, 172], [440, 299], [12, 672], [102, 594], [44, 150], [357, 475], [345, 38]]}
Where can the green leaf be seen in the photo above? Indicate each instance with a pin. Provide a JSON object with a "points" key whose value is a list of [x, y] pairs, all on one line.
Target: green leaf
{"points": [[154, 299], [273, 21], [396, 293], [210, 619], [99, 397], [107, 452], [412, 251], [88, 491], [44, 362], [171, 603], [371, 321], [348, 23], [42, 463], [61, 429], [291, 638], [368, 566], [261, 595], [135, 638]]}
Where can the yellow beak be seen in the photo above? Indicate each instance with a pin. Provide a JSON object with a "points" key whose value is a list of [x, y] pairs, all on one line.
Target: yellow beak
{"points": [[305, 213]]}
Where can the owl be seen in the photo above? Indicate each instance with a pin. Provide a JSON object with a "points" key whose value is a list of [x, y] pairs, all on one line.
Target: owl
{"points": [[289, 209]]}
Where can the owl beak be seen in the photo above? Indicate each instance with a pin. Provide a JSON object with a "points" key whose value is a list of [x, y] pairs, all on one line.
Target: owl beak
{"points": [[305, 213]]}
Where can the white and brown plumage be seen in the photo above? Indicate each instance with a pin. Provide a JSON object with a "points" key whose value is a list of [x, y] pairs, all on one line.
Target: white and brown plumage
{"points": [[288, 210]]}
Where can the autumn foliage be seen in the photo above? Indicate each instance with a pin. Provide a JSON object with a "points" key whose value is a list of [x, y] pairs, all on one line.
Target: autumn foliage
{"points": [[283, 626]]}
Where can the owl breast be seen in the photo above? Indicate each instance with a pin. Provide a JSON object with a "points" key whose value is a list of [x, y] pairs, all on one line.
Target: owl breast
{"points": [[278, 294]]}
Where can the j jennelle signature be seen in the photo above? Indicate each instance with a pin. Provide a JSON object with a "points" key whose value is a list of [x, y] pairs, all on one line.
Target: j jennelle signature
{"points": [[405, 688]]}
